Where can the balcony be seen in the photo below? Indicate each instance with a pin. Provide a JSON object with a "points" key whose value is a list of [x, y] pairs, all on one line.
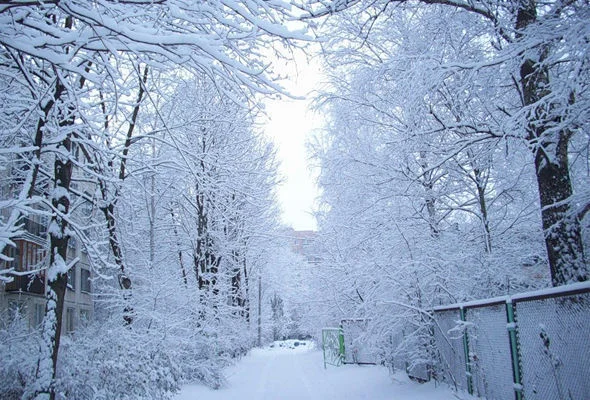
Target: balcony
{"points": [[35, 228], [33, 283]]}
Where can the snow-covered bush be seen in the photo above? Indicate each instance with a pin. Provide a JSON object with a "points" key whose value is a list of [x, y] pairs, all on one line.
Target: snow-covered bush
{"points": [[117, 363], [18, 350]]}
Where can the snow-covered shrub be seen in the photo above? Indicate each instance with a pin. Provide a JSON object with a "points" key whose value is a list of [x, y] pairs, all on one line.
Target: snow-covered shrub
{"points": [[108, 360], [202, 363], [18, 352], [117, 363]]}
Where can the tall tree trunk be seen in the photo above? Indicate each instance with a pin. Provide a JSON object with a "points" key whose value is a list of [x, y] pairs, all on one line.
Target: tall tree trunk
{"points": [[44, 387], [111, 200], [427, 182], [483, 209], [206, 259], [178, 246], [239, 290], [259, 336], [561, 226], [246, 293], [480, 183]]}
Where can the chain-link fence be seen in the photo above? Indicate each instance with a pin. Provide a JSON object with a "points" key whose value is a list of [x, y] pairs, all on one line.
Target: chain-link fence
{"points": [[533, 346]]}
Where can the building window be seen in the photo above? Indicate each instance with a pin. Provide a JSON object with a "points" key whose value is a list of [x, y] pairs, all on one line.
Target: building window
{"points": [[12, 252], [72, 243], [85, 280], [72, 278], [36, 225], [16, 309], [70, 314], [71, 254], [84, 317], [39, 315], [27, 256]]}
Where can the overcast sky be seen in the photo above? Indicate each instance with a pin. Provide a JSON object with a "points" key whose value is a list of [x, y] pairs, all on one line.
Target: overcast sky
{"points": [[290, 124]]}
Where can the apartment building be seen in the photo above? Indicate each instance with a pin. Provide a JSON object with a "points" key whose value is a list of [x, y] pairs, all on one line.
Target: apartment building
{"points": [[304, 243], [25, 294]]}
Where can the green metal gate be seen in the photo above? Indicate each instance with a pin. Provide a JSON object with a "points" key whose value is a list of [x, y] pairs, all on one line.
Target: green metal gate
{"points": [[333, 346]]}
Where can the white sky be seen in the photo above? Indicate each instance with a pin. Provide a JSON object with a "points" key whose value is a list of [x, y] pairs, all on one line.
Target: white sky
{"points": [[290, 124]]}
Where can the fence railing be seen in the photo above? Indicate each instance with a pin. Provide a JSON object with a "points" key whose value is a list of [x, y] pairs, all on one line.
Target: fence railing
{"points": [[529, 346]]}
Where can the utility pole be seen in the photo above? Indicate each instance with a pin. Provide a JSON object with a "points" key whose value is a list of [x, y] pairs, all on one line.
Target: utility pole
{"points": [[259, 311]]}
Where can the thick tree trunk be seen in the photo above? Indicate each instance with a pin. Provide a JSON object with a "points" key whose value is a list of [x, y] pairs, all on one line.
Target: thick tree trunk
{"points": [[206, 261], [563, 234], [44, 387], [124, 280], [561, 227]]}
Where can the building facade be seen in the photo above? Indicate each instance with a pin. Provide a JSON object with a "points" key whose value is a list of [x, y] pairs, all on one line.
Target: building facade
{"points": [[304, 243], [26, 263], [25, 294]]}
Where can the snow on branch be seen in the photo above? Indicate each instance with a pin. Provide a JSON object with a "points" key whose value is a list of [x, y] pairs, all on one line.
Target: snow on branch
{"points": [[224, 38]]}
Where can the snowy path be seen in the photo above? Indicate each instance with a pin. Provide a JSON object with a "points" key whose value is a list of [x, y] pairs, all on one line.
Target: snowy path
{"points": [[298, 374]]}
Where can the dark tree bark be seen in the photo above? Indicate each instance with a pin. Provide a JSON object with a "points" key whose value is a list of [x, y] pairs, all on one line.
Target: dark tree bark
{"points": [[206, 261], [58, 247], [246, 292], [178, 246], [478, 178], [549, 141], [239, 285], [561, 226], [108, 209], [427, 180]]}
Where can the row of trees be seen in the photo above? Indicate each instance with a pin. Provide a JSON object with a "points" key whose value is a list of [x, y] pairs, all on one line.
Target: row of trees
{"points": [[454, 165], [130, 125]]}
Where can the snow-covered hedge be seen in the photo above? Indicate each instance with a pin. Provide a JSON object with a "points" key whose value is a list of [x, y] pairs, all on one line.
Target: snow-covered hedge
{"points": [[108, 360], [18, 351], [117, 363]]}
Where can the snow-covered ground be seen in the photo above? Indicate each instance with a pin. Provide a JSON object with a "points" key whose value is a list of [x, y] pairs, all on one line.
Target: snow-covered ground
{"points": [[286, 371]]}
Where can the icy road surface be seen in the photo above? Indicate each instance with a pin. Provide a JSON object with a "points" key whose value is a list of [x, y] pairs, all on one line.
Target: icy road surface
{"points": [[285, 373]]}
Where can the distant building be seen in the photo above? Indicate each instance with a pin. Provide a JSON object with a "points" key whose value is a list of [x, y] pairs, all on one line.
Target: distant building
{"points": [[304, 243]]}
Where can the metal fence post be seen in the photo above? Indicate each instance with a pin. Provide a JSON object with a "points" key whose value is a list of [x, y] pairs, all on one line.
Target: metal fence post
{"points": [[341, 349], [324, 333], [516, 372], [466, 351]]}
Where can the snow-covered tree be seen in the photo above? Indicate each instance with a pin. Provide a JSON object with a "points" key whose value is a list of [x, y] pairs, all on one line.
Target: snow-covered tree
{"points": [[533, 54], [74, 63], [426, 162]]}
